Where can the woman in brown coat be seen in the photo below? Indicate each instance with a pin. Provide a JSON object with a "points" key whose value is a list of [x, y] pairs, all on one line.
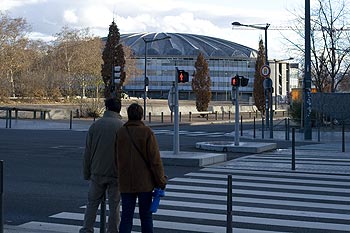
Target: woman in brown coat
{"points": [[140, 169]]}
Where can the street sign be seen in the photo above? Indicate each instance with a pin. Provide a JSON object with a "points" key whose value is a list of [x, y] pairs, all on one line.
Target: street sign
{"points": [[265, 71]]}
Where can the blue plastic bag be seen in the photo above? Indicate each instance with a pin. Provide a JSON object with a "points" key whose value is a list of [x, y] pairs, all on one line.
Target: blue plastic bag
{"points": [[157, 194]]}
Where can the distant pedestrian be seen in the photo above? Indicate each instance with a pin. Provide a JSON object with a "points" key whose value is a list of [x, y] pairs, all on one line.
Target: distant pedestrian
{"points": [[99, 166], [140, 170]]}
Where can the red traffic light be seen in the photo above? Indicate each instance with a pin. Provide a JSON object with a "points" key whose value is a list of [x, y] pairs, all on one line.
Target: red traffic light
{"points": [[235, 81], [182, 76]]}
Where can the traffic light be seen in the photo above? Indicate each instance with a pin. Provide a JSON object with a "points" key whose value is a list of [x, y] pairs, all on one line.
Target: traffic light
{"points": [[182, 76], [235, 81], [116, 74], [244, 81]]}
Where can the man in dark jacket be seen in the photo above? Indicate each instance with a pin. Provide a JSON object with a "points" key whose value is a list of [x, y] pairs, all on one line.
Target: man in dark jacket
{"points": [[140, 169], [99, 166]]}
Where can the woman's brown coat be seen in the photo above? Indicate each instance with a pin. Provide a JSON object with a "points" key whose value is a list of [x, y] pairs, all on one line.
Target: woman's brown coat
{"points": [[133, 173]]}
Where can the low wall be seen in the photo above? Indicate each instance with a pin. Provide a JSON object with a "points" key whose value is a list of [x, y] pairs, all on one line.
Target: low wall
{"points": [[156, 107]]}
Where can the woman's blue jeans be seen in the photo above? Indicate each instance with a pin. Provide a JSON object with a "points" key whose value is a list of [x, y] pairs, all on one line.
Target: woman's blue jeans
{"points": [[128, 209]]}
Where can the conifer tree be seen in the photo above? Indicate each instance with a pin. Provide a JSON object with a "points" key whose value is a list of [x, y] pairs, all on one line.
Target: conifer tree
{"points": [[258, 89], [113, 55], [201, 83]]}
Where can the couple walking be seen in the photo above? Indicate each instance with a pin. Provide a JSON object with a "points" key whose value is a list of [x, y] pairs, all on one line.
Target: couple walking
{"points": [[122, 160]]}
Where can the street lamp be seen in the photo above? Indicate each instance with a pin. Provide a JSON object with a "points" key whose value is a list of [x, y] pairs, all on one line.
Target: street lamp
{"points": [[146, 80], [268, 105], [238, 24], [276, 62]]}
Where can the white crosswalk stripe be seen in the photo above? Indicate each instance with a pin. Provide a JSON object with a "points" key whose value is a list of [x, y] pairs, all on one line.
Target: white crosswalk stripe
{"points": [[263, 201], [190, 133]]}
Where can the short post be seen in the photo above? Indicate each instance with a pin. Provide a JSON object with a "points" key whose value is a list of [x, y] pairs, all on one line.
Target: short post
{"points": [[190, 116], [34, 114], [223, 115], [229, 205], [162, 117], [293, 149], [70, 119], [262, 127], [171, 116], [2, 196], [149, 117], [216, 115], [7, 118], [254, 135], [229, 115], [241, 125], [10, 118], [179, 116], [286, 130], [103, 214], [207, 116], [343, 137]]}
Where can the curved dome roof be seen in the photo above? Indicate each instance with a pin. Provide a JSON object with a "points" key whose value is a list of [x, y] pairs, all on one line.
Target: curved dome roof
{"points": [[180, 44]]}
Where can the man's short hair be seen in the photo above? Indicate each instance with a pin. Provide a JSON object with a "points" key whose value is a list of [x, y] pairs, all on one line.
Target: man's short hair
{"points": [[135, 112], [113, 104]]}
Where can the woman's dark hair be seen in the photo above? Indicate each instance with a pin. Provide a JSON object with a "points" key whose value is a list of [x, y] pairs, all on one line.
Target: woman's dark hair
{"points": [[135, 112], [113, 104]]}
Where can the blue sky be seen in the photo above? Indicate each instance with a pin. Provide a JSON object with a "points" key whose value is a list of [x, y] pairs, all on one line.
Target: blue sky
{"points": [[205, 17]]}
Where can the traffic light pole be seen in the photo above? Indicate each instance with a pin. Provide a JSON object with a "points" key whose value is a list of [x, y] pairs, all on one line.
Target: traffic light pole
{"points": [[176, 116], [236, 116]]}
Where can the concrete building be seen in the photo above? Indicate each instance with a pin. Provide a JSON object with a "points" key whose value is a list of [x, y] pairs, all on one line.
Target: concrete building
{"points": [[165, 51]]}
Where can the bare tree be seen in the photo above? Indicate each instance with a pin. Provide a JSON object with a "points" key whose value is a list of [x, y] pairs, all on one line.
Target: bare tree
{"points": [[13, 42], [330, 42]]}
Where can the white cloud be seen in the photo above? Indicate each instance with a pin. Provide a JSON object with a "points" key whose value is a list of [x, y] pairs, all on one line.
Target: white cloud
{"points": [[205, 17], [9, 4], [70, 16]]}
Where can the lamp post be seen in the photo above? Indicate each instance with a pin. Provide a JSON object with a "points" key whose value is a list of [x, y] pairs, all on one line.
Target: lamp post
{"points": [[238, 24], [146, 80], [268, 105], [276, 63]]}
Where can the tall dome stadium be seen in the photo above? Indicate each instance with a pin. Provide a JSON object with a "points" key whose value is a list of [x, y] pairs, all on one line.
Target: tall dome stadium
{"points": [[187, 45], [164, 52]]}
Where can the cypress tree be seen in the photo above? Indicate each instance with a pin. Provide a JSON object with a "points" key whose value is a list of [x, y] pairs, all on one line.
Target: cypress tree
{"points": [[201, 83], [113, 55], [258, 89]]}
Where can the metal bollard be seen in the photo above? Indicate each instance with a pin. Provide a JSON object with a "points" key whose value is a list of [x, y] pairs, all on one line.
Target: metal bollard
{"points": [[286, 130], [293, 149], [216, 115], [2, 196], [229, 115], [262, 128], [229, 205], [190, 116], [162, 117], [179, 116], [254, 135], [103, 214], [343, 137], [70, 119], [150, 117], [241, 125]]}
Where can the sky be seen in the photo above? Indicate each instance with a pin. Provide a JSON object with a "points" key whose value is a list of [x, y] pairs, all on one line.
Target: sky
{"points": [[203, 17]]}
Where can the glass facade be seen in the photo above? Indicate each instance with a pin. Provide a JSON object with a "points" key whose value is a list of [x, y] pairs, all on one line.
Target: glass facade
{"points": [[161, 74]]}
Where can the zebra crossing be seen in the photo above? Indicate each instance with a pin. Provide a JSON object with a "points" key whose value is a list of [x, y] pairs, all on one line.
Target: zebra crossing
{"points": [[264, 201]]}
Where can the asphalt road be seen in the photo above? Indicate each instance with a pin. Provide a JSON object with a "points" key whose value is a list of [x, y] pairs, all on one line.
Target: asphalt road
{"points": [[43, 168]]}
